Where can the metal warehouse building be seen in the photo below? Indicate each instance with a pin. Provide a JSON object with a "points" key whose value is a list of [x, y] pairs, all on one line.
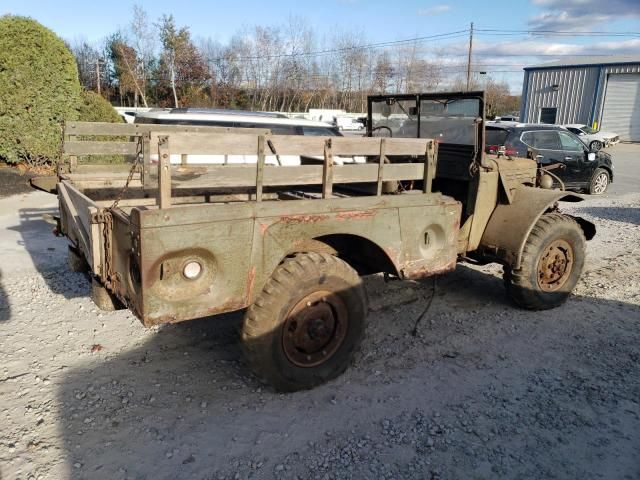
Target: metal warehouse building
{"points": [[600, 93]]}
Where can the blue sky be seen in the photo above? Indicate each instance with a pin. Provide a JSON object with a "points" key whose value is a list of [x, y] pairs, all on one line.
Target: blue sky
{"points": [[503, 55]]}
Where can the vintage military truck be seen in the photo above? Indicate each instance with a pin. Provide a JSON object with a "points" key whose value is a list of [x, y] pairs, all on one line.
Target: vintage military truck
{"points": [[178, 241]]}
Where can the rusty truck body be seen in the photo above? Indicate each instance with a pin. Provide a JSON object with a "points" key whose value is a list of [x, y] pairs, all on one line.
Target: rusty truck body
{"points": [[175, 242]]}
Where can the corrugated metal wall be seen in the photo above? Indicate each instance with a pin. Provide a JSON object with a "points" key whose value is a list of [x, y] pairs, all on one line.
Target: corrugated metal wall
{"points": [[574, 98], [580, 95], [604, 74]]}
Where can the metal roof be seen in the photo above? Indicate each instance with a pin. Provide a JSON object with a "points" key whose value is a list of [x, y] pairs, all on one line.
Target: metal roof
{"points": [[589, 61]]}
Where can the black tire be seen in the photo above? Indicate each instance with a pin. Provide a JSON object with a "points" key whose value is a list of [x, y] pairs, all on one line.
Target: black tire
{"points": [[599, 182], [595, 146], [311, 297], [547, 276], [76, 261], [103, 298]]}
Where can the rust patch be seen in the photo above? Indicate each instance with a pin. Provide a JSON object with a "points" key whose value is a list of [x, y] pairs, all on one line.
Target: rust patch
{"points": [[356, 215], [263, 228], [301, 219], [251, 277], [231, 306], [414, 273]]}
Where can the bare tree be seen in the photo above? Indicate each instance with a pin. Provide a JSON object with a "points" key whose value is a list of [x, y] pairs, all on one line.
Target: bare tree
{"points": [[143, 43]]}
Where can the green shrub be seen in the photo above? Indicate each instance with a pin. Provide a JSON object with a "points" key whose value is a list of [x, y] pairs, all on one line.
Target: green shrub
{"points": [[94, 108], [39, 89]]}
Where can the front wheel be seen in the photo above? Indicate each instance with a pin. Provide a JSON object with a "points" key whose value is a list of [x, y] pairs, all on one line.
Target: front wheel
{"points": [[595, 146], [599, 182], [305, 326], [551, 264]]}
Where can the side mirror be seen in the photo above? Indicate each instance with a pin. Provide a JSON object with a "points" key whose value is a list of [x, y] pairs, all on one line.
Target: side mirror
{"points": [[386, 111], [591, 156]]}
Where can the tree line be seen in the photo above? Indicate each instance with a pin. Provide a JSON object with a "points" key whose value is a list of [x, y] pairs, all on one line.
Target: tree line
{"points": [[273, 68]]}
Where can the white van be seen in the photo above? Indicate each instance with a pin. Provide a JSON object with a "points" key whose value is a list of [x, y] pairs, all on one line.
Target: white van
{"points": [[277, 123]]}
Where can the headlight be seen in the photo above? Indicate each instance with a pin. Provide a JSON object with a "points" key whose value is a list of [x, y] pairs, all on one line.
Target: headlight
{"points": [[192, 270]]}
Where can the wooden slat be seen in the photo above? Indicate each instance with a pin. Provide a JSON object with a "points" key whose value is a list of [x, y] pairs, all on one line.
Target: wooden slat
{"points": [[101, 174], [99, 148], [243, 176], [240, 144], [78, 206], [347, 146], [107, 168], [137, 129]]}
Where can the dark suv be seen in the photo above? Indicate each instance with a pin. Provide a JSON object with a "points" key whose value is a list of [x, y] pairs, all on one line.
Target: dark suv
{"points": [[549, 145]]}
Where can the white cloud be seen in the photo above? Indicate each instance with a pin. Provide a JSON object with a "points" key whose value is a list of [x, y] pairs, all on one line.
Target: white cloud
{"points": [[435, 10], [581, 15]]}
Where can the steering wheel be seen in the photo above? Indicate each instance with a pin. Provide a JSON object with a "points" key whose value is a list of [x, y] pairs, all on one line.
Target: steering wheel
{"points": [[383, 127]]}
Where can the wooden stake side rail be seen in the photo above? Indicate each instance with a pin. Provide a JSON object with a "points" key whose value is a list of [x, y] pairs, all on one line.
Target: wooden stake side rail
{"points": [[86, 139], [258, 175]]}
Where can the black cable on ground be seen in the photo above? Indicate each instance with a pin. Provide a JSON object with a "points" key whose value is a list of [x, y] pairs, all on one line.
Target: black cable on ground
{"points": [[414, 332]]}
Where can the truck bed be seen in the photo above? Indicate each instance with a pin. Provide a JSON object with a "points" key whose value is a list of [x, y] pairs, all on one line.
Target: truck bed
{"points": [[138, 229]]}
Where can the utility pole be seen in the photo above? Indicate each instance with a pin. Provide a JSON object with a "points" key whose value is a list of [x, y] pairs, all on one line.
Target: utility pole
{"points": [[98, 74], [469, 59]]}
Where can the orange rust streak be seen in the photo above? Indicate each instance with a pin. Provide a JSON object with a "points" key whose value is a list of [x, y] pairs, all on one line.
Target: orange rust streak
{"points": [[250, 283], [297, 219], [355, 215]]}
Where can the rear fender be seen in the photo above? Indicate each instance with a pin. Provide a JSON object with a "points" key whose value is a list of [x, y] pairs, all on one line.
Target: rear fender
{"points": [[510, 224]]}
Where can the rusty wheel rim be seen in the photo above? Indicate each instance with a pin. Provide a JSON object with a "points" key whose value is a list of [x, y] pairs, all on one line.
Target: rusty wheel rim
{"points": [[314, 329], [555, 265]]}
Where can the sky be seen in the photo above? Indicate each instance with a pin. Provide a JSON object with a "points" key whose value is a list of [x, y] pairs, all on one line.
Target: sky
{"points": [[508, 34]]}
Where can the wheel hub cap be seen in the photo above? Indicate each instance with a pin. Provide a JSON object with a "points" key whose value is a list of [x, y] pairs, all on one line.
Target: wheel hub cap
{"points": [[314, 329], [601, 183], [555, 265]]}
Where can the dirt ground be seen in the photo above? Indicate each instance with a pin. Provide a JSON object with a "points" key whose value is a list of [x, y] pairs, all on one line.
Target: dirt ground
{"points": [[13, 181], [485, 391]]}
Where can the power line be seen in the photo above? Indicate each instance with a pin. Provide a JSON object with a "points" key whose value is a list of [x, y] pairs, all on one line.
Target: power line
{"points": [[442, 36]]}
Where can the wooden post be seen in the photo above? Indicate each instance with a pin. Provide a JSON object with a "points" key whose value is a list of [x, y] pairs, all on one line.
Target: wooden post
{"points": [[327, 170], [73, 160], [429, 166], [164, 172], [260, 168], [146, 159], [381, 162]]}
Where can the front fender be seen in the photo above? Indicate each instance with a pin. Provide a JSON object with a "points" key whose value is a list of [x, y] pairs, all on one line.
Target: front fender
{"points": [[510, 224]]}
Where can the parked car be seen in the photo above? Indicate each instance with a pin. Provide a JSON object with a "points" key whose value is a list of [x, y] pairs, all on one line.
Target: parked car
{"points": [[579, 168], [349, 123], [594, 138], [507, 118], [277, 123]]}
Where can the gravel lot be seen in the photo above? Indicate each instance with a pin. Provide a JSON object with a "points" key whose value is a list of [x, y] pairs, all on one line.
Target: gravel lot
{"points": [[485, 391]]}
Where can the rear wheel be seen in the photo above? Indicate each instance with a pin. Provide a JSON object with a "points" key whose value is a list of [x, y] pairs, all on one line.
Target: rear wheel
{"points": [[599, 182], [103, 298], [551, 264], [76, 261], [307, 323], [595, 146]]}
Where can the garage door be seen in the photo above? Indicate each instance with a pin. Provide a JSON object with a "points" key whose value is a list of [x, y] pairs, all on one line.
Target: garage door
{"points": [[622, 106]]}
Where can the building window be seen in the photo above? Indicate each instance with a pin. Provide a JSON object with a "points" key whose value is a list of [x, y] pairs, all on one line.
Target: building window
{"points": [[548, 114]]}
